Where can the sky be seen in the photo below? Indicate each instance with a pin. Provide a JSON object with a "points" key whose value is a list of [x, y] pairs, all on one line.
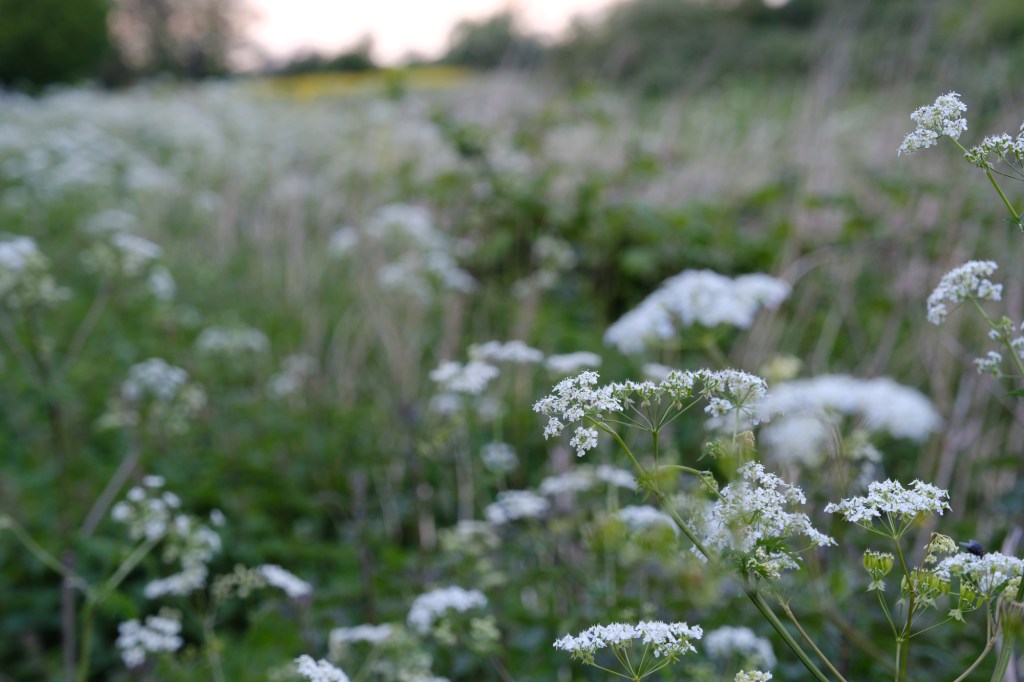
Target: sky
{"points": [[398, 27]]}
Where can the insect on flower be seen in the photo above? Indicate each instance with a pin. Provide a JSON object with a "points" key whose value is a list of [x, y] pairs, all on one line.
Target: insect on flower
{"points": [[974, 547]]}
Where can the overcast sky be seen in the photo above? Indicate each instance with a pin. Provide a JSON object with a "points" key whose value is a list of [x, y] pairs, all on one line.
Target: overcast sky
{"points": [[398, 27]]}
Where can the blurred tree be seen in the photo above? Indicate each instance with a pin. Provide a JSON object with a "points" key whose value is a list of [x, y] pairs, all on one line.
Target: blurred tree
{"points": [[498, 41], [50, 41], [357, 58], [187, 38]]}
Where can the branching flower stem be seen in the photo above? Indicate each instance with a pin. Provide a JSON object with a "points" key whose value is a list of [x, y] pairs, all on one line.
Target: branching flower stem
{"points": [[999, 190], [750, 589]]}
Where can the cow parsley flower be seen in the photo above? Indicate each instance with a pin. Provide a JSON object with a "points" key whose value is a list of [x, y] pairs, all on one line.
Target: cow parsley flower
{"points": [[695, 297], [427, 608], [988, 574], [287, 582], [943, 118], [513, 352], [750, 521], [899, 505], [512, 505], [469, 379], [990, 363], [374, 634], [25, 278], [967, 281], [752, 676], [727, 641], [663, 640], [499, 457], [569, 363], [318, 671], [161, 633]]}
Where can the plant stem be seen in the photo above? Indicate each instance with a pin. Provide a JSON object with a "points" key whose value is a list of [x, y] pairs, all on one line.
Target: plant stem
{"points": [[810, 642]]}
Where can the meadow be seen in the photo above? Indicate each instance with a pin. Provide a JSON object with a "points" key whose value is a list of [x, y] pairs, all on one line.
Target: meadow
{"points": [[275, 360]]}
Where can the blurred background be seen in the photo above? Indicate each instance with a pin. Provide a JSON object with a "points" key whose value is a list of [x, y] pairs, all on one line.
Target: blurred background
{"points": [[336, 198]]}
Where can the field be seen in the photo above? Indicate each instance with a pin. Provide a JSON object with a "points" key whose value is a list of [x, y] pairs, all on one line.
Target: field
{"points": [[271, 353]]}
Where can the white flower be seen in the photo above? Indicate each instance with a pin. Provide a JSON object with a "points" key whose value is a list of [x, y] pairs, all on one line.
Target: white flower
{"points": [[990, 363], [956, 286], [179, 584], [499, 457], [516, 504], [751, 519], [642, 517], [585, 439], [695, 297], [893, 500], [318, 671], [883, 404], [752, 676], [289, 583], [159, 634], [572, 362], [374, 634], [728, 641], [943, 118], [430, 606], [987, 574], [25, 278], [515, 352], [469, 379], [664, 639]]}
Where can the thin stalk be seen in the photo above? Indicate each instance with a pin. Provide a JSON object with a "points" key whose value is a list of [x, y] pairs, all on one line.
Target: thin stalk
{"points": [[999, 190], [41, 554], [774, 621], [977, 661], [810, 642]]}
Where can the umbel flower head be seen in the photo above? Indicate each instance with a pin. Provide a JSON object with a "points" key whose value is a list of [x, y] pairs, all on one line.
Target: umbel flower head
{"points": [[899, 505], [943, 118], [662, 640], [318, 671], [969, 280]]}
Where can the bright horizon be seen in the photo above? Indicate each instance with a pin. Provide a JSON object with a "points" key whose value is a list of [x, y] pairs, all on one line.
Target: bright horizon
{"points": [[398, 28]]}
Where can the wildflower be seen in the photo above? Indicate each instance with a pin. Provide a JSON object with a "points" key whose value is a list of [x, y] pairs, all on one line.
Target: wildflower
{"points": [[883, 404], [25, 278], [960, 284], [427, 608], [669, 640], [289, 583], [641, 517], [514, 352], [318, 671], [573, 398], [572, 362], [728, 641], [515, 504], [893, 500], [990, 363], [160, 634], [752, 676], [695, 297], [987, 574], [878, 565], [943, 118], [469, 379], [499, 457], [750, 520]]}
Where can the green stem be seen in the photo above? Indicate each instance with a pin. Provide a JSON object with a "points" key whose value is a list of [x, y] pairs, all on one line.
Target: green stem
{"points": [[41, 554], [777, 624], [810, 642], [85, 655], [999, 190], [903, 641], [977, 661]]}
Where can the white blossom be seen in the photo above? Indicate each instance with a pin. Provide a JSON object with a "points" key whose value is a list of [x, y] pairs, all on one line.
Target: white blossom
{"points": [[664, 639], [374, 634], [514, 352], [570, 363], [318, 671], [727, 641], [987, 574], [469, 379], [752, 676], [512, 505], [892, 499], [287, 582], [943, 118], [160, 634], [427, 608], [499, 457], [969, 280], [695, 297]]}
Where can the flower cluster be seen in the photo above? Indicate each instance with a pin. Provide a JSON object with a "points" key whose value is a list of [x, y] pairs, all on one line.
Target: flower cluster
{"points": [[161, 633], [728, 641], [583, 478], [750, 522], [987, 574], [752, 676], [231, 341], [728, 392], [285, 581], [374, 634], [122, 253], [668, 640], [499, 457], [155, 394], [642, 517], [25, 278], [882, 404], [695, 297], [514, 352], [1002, 147], [469, 379], [515, 504], [427, 608], [318, 671], [892, 499], [943, 118], [967, 281], [569, 363]]}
